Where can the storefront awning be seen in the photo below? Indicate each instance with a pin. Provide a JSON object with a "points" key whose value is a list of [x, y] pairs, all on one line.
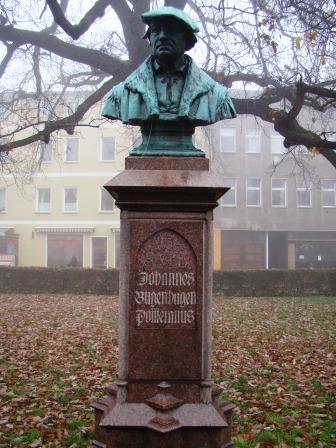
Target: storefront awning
{"points": [[64, 229], [4, 231]]}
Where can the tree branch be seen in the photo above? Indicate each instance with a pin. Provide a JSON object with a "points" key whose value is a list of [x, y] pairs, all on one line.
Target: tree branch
{"points": [[68, 123], [292, 131], [180, 4], [4, 63], [75, 31], [36, 68], [133, 27], [94, 58], [259, 80], [318, 90]]}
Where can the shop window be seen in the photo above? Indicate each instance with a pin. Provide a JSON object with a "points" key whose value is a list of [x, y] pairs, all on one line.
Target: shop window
{"points": [[316, 254], [242, 249], [65, 251], [99, 252], [8, 250]]}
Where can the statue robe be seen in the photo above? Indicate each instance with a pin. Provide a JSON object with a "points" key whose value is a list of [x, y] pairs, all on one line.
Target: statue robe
{"points": [[134, 101]]}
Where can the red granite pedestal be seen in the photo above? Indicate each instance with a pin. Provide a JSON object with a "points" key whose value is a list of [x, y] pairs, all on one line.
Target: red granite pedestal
{"points": [[164, 396]]}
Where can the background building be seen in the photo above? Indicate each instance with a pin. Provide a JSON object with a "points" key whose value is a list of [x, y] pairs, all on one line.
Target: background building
{"points": [[271, 218]]}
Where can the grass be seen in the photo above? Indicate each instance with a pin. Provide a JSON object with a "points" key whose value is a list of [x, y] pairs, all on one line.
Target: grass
{"points": [[273, 357]]}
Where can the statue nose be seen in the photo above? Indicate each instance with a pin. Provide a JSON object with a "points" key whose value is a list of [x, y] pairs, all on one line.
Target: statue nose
{"points": [[162, 33]]}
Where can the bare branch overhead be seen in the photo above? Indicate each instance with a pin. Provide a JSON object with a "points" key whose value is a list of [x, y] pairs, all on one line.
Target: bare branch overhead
{"points": [[67, 123], [75, 31], [259, 47], [76, 53]]}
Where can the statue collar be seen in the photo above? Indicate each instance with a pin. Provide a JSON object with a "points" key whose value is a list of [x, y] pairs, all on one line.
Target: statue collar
{"points": [[197, 83], [181, 69]]}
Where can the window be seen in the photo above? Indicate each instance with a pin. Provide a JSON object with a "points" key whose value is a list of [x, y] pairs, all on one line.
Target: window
{"points": [[99, 252], [70, 200], [228, 140], [279, 193], [106, 201], [253, 192], [230, 198], [45, 152], [72, 149], [328, 193], [43, 200], [252, 141], [108, 149], [303, 193], [277, 146], [2, 200], [65, 251]]}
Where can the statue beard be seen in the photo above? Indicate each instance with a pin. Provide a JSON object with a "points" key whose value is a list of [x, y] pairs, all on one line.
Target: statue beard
{"points": [[169, 60]]}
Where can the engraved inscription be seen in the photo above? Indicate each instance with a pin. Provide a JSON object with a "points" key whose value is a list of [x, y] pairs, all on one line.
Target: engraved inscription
{"points": [[164, 292], [173, 306], [166, 279]]}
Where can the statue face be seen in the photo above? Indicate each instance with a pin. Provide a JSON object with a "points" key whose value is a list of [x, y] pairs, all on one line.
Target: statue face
{"points": [[167, 38]]}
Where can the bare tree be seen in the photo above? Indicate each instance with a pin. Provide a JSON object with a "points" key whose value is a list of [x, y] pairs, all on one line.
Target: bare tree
{"points": [[283, 50]]}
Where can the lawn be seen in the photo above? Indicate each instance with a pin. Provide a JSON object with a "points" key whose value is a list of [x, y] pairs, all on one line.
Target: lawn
{"points": [[273, 357]]}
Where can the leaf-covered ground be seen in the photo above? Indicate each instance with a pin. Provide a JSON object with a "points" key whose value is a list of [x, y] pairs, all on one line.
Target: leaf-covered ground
{"points": [[274, 358]]}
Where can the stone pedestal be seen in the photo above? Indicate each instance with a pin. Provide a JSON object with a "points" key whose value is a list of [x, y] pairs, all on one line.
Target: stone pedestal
{"points": [[164, 396]]}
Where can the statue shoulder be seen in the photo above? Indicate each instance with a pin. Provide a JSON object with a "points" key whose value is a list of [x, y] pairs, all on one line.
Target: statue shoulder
{"points": [[137, 80], [112, 105], [117, 91], [220, 91], [224, 105], [131, 82]]}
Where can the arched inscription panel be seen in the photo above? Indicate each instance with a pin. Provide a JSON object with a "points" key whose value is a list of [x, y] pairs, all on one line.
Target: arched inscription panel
{"points": [[165, 296], [165, 304]]}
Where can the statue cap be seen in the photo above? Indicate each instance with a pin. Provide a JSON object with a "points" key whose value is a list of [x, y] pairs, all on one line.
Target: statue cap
{"points": [[167, 11]]}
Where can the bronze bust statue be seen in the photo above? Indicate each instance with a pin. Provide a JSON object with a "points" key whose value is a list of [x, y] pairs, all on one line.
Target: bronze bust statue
{"points": [[168, 95]]}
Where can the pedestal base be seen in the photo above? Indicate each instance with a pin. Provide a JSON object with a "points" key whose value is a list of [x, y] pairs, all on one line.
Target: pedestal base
{"points": [[164, 396], [140, 425]]}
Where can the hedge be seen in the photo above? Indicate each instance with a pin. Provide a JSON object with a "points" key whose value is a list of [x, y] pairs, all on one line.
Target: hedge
{"points": [[58, 281], [228, 283], [275, 282]]}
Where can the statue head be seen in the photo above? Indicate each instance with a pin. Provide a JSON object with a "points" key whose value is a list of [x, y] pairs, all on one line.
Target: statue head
{"points": [[170, 31]]}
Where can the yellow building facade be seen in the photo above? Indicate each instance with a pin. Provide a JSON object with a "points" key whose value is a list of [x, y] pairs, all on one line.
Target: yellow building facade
{"points": [[65, 217]]}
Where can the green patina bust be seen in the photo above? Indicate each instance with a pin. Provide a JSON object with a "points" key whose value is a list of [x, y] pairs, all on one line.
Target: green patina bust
{"points": [[168, 95]]}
